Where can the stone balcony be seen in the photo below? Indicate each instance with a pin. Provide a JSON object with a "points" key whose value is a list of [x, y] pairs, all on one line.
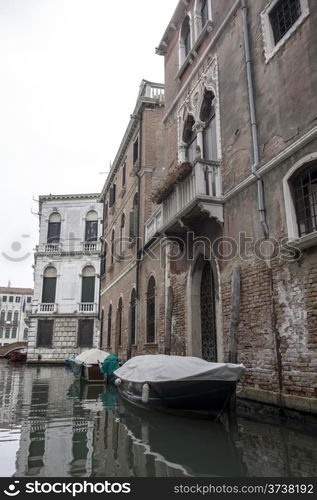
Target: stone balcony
{"points": [[153, 225], [87, 307], [47, 308], [199, 193]]}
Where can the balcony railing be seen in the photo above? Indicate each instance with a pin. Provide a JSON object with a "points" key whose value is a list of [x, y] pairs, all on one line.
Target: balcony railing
{"points": [[52, 248], [47, 308], [86, 307], [153, 225], [91, 246], [201, 187]]}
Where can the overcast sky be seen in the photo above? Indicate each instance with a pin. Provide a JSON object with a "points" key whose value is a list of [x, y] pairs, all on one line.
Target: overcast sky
{"points": [[69, 77]]}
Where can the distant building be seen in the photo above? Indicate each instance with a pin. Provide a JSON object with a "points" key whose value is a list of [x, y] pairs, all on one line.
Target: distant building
{"points": [[14, 304], [64, 316], [128, 275]]}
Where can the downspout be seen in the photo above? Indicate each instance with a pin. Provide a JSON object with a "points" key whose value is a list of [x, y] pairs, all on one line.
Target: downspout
{"points": [[254, 127]]}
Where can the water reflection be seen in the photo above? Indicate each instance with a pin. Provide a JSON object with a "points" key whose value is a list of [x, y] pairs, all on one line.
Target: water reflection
{"points": [[52, 425]]}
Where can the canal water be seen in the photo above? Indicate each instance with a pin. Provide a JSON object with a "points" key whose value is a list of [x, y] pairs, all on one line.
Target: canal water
{"points": [[52, 425]]}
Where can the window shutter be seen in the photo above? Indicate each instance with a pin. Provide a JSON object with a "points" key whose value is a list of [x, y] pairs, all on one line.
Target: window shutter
{"points": [[49, 289], [88, 289], [45, 333], [85, 332]]}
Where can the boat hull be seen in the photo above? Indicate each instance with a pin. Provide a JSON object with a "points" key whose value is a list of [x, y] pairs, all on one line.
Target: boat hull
{"points": [[199, 396]]}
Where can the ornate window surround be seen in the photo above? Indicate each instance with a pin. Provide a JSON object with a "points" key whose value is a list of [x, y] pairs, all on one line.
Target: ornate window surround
{"points": [[192, 104]]}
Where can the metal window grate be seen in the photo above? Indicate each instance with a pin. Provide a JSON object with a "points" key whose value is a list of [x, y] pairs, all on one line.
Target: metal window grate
{"points": [[283, 16], [304, 187]]}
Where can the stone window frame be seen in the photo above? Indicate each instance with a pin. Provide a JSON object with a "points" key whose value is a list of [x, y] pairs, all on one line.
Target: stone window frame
{"points": [[198, 27], [270, 47], [182, 55], [290, 212]]}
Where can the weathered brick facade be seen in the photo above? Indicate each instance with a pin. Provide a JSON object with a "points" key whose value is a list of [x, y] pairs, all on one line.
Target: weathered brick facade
{"points": [[235, 209]]}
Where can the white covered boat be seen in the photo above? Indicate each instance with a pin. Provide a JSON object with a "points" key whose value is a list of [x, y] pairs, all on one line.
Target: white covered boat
{"points": [[86, 365], [178, 383]]}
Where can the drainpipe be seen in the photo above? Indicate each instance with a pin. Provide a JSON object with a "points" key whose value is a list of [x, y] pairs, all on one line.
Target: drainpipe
{"points": [[254, 127]]}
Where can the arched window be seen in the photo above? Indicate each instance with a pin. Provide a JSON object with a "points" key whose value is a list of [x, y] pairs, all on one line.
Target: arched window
{"points": [[133, 315], [88, 285], [2, 317], [122, 234], [9, 316], [185, 40], [14, 333], [133, 229], [109, 326], [103, 260], [112, 247], [1, 332], [204, 14], [208, 117], [101, 326], [54, 228], [303, 186], [7, 333], [49, 285], [150, 311], [25, 333], [120, 307], [190, 139], [91, 227]]}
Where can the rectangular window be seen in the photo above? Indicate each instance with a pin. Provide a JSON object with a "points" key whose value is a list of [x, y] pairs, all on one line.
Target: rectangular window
{"points": [[9, 316], [45, 329], [124, 168], [54, 231], [18, 299], [49, 289], [136, 150], [283, 15], [112, 195], [4, 298], [85, 332], [88, 289], [29, 300], [11, 298], [91, 233]]}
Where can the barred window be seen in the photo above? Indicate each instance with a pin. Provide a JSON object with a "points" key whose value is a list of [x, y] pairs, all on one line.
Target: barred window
{"points": [[283, 15], [304, 188]]}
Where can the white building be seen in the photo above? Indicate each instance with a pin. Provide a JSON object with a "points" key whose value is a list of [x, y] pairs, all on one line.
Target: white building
{"points": [[14, 304], [64, 316]]}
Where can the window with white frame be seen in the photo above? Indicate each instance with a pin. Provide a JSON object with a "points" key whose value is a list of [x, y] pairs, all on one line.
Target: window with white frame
{"points": [[49, 285], [91, 226], [202, 14], [88, 285], [303, 186], [280, 19], [54, 228], [184, 40]]}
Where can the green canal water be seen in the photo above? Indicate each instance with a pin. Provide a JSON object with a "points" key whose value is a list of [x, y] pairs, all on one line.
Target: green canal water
{"points": [[51, 425]]}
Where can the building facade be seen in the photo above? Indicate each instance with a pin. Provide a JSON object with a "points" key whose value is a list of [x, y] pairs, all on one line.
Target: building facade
{"points": [[238, 200], [14, 306], [64, 314], [127, 271]]}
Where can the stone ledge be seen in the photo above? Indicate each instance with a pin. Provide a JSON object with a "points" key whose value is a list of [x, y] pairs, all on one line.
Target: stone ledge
{"points": [[308, 405]]}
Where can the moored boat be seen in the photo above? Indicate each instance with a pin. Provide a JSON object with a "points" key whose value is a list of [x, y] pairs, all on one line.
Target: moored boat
{"points": [[18, 355], [86, 365], [182, 384]]}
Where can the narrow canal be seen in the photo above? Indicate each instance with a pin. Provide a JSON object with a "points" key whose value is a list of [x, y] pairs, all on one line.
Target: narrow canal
{"points": [[51, 425]]}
